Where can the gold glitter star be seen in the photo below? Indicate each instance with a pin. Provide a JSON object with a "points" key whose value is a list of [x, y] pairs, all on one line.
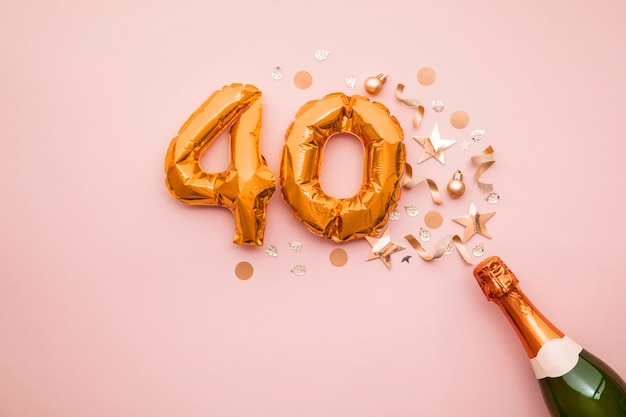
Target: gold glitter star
{"points": [[433, 145], [383, 247], [474, 222]]}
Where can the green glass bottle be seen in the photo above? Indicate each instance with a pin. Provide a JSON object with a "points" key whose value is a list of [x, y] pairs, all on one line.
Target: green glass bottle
{"points": [[574, 383]]}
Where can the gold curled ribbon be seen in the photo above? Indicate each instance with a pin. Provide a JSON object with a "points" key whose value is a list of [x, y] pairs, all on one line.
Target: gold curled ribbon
{"points": [[485, 159], [441, 248], [410, 182], [411, 102]]}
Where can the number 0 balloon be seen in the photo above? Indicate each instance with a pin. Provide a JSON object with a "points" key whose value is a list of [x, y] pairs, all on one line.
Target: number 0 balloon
{"points": [[365, 213]]}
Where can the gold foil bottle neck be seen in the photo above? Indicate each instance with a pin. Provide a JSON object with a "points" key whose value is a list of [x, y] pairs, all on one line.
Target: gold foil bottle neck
{"points": [[501, 286], [495, 278]]}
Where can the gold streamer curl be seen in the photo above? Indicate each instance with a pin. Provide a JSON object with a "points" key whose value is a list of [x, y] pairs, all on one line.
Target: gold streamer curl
{"points": [[441, 248], [485, 160], [411, 102], [410, 182]]}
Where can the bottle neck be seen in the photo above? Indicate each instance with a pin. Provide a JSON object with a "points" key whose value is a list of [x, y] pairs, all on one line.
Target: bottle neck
{"points": [[533, 329]]}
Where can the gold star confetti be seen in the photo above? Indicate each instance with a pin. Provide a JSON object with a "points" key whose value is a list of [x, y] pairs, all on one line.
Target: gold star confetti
{"points": [[383, 247], [433, 145], [474, 222]]}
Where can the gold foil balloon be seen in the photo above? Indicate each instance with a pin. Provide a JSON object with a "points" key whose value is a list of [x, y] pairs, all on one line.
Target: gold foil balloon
{"points": [[364, 214], [248, 183]]}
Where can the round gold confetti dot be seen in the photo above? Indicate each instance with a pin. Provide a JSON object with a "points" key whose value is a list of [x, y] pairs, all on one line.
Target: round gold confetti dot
{"points": [[459, 119], [433, 219], [426, 76], [244, 270], [303, 79], [338, 257]]}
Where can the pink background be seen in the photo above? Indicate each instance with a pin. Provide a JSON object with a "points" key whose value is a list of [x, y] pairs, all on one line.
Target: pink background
{"points": [[118, 300]]}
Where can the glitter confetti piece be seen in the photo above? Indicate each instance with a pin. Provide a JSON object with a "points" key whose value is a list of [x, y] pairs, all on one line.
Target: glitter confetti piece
{"points": [[321, 54], [438, 106], [478, 250], [442, 247], [277, 73], [409, 182], [411, 210], [477, 135], [448, 250], [271, 250], [299, 269], [295, 246], [493, 198], [351, 80], [394, 215], [406, 259], [485, 160], [464, 145], [424, 235], [411, 102]]}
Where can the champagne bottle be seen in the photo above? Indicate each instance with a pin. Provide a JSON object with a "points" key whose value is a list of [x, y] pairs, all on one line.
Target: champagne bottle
{"points": [[574, 383]]}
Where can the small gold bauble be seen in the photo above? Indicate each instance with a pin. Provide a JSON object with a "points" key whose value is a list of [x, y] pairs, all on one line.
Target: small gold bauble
{"points": [[373, 85], [456, 186]]}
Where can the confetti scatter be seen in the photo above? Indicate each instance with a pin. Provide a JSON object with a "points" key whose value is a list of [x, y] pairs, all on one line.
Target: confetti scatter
{"points": [[448, 250], [271, 250], [295, 246], [442, 248], [411, 102], [394, 215], [411, 182], [244, 270], [474, 222], [303, 79], [277, 73], [478, 250], [351, 80], [321, 54], [464, 145], [459, 119], [477, 135], [383, 247], [493, 198], [433, 145], [299, 269], [338, 257], [406, 259], [424, 235], [438, 106], [426, 76], [433, 219], [411, 210], [484, 160]]}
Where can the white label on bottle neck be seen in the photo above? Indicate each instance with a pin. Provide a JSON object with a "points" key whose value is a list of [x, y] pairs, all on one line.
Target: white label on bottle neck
{"points": [[556, 358]]}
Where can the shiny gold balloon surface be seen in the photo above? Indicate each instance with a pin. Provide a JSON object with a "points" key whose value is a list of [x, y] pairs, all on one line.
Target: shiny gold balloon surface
{"points": [[365, 213], [248, 183]]}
